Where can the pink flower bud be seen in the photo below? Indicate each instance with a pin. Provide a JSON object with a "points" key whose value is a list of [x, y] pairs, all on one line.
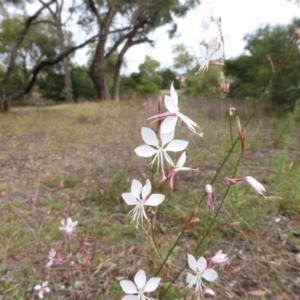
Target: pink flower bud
{"points": [[297, 33], [259, 188], [225, 87], [210, 198], [219, 257]]}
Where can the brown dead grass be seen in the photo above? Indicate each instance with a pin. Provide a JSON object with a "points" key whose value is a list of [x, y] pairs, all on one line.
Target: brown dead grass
{"points": [[76, 160]]}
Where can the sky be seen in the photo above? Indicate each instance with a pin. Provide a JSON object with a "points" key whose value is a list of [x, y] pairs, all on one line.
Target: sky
{"points": [[239, 17]]}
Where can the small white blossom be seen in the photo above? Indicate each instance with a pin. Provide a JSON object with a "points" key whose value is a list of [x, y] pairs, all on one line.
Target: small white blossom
{"points": [[140, 197], [140, 286], [42, 289], [170, 118], [160, 152], [51, 257], [201, 270], [68, 226]]}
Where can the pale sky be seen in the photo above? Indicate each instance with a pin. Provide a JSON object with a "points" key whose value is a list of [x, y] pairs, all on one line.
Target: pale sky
{"points": [[239, 17]]}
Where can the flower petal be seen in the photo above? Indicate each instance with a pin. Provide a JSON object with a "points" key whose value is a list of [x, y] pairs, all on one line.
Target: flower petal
{"points": [[191, 278], [128, 287], [174, 95], [255, 184], [170, 104], [155, 200], [192, 262], [37, 287], [129, 297], [201, 264], [168, 124], [210, 275], [129, 199], [145, 151], [136, 188], [152, 284], [166, 137], [149, 137], [146, 189], [176, 145], [140, 279], [181, 160]]}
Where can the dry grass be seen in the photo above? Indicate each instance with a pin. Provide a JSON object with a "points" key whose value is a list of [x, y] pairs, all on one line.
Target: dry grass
{"points": [[76, 160]]}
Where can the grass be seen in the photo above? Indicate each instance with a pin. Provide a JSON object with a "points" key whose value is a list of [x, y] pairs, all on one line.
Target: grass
{"points": [[77, 160]]}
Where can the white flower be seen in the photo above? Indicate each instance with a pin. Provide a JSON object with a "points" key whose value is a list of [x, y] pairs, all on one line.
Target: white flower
{"points": [[51, 257], [139, 197], [200, 268], [171, 117], [68, 226], [42, 289], [140, 286], [210, 54], [179, 167], [152, 147]]}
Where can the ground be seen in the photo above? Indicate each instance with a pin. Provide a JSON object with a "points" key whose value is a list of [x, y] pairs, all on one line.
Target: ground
{"points": [[77, 160]]}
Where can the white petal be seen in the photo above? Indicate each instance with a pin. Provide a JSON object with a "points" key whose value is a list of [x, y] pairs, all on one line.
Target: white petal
{"points": [[166, 137], [152, 284], [201, 264], [210, 275], [192, 262], [155, 200], [146, 189], [140, 279], [129, 297], [174, 95], [149, 137], [38, 287], [69, 222], [170, 104], [136, 188], [190, 278], [181, 160], [129, 199], [176, 145], [168, 124], [145, 151], [255, 184], [128, 287], [74, 224]]}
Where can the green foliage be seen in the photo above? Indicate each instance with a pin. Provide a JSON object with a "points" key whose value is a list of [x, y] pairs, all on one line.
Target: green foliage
{"points": [[168, 76], [183, 59], [251, 72], [51, 84], [82, 83], [147, 82]]}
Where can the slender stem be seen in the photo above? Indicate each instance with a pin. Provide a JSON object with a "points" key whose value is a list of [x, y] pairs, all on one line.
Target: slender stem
{"points": [[210, 225], [279, 68]]}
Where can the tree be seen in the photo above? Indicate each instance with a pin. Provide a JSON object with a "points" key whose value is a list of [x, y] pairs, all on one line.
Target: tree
{"points": [[251, 72], [184, 61], [56, 14], [37, 65], [137, 18]]}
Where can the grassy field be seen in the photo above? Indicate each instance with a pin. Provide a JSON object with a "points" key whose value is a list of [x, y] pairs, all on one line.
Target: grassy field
{"points": [[77, 160]]}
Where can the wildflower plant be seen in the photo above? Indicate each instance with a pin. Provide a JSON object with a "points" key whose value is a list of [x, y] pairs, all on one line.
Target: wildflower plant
{"points": [[162, 149]]}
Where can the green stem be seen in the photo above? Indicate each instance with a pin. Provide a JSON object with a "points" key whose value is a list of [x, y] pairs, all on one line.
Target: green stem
{"points": [[279, 68]]}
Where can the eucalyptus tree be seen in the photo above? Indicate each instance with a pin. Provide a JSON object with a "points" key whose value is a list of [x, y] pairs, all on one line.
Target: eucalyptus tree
{"points": [[132, 21], [21, 44]]}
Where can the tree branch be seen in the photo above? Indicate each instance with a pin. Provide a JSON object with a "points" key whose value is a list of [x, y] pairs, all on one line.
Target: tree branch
{"points": [[20, 39]]}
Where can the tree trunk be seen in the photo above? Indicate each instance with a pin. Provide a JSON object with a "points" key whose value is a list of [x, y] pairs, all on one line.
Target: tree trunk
{"points": [[97, 72], [66, 67], [4, 103], [117, 79]]}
